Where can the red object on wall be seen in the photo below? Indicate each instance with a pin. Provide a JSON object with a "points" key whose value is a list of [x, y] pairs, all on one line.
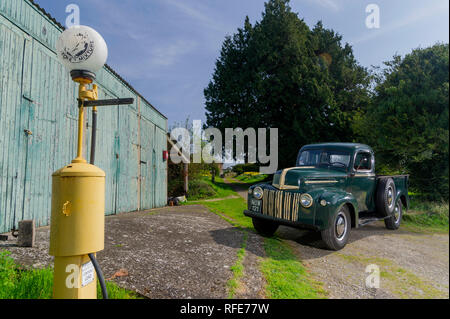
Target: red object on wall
{"points": [[165, 155]]}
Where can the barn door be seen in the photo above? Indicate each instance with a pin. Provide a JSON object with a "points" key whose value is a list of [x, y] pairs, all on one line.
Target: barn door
{"points": [[154, 178], [15, 56], [107, 148], [144, 204], [147, 185], [52, 123]]}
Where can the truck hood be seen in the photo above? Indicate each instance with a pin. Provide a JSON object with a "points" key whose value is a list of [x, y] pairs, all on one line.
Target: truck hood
{"points": [[289, 178]]}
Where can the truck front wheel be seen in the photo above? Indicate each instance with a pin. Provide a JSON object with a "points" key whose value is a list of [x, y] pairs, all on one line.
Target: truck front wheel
{"points": [[336, 236], [265, 227]]}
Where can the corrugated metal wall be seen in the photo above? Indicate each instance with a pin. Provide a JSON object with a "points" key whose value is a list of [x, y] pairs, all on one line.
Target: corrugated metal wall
{"points": [[37, 94]]}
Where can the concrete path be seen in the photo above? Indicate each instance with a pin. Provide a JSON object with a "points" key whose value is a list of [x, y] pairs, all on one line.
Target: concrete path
{"points": [[176, 252], [252, 282]]}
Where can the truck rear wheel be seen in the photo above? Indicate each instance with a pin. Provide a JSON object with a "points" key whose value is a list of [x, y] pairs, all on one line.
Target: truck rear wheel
{"points": [[385, 200], [336, 236], [394, 221], [265, 227]]}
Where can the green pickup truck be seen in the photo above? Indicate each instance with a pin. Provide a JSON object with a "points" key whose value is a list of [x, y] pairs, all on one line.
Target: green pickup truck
{"points": [[332, 189]]}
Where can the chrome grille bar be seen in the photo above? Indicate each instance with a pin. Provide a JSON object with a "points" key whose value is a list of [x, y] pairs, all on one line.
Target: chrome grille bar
{"points": [[282, 205]]}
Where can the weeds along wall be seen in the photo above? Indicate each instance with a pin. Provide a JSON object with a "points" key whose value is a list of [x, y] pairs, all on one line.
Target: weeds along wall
{"points": [[38, 125]]}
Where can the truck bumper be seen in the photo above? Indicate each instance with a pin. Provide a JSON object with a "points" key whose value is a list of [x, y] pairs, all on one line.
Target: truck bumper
{"points": [[280, 221]]}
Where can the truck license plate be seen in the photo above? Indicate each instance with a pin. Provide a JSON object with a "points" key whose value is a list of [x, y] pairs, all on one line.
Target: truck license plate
{"points": [[255, 205]]}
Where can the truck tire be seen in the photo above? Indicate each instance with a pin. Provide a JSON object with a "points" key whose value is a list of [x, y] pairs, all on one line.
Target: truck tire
{"points": [[265, 227], [385, 199], [336, 236], [393, 222]]}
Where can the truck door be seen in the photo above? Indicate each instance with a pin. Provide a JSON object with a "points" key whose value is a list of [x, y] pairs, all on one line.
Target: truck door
{"points": [[363, 180]]}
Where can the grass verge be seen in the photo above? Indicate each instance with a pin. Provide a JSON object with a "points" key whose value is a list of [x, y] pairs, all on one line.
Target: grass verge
{"points": [[206, 189], [285, 275], [237, 269], [17, 282], [251, 177], [428, 217]]}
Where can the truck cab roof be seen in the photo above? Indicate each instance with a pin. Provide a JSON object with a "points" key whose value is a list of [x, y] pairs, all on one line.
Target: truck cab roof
{"points": [[338, 146]]}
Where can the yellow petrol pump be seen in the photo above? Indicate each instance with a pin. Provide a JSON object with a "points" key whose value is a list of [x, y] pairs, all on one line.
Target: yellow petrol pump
{"points": [[78, 190], [77, 220]]}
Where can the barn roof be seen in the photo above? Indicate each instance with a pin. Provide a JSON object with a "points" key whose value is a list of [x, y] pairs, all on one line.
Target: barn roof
{"points": [[48, 15]]}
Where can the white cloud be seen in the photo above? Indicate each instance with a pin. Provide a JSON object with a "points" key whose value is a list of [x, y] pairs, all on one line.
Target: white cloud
{"points": [[415, 16], [197, 13], [327, 4], [171, 53], [156, 59]]}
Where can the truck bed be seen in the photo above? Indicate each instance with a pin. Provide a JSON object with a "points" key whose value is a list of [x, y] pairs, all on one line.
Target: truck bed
{"points": [[401, 181]]}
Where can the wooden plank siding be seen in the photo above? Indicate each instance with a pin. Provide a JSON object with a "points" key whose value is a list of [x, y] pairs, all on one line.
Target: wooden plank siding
{"points": [[38, 95]]}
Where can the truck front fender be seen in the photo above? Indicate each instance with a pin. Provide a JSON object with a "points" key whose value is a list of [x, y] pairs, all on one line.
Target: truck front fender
{"points": [[335, 199]]}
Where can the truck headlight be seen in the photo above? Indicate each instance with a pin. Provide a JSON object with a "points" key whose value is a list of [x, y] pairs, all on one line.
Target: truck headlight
{"points": [[306, 200], [258, 192]]}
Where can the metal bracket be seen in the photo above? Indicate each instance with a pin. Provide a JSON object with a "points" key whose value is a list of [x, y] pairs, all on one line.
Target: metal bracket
{"points": [[106, 102]]}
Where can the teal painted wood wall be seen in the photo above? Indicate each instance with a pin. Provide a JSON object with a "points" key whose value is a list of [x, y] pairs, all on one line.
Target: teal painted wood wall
{"points": [[37, 94]]}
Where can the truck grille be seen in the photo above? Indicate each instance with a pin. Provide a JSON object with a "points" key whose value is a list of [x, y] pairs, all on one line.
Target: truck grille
{"points": [[282, 205]]}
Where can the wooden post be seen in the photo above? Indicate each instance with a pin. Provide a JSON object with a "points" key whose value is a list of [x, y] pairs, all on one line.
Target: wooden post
{"points": [[186, 178]]}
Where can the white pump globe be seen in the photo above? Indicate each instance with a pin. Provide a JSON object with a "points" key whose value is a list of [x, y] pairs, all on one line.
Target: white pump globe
{"points": [[82, 48]]}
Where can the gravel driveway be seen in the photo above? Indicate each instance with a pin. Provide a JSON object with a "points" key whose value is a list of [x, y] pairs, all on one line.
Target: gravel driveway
{"points": [[176, 252], [187, 252], [411, 265]]}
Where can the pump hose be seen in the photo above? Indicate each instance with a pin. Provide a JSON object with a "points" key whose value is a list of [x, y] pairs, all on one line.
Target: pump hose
{"points": [[101, 279]]}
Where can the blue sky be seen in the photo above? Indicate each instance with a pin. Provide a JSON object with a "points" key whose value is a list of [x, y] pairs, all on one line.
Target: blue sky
{"points": [[167, 49]]}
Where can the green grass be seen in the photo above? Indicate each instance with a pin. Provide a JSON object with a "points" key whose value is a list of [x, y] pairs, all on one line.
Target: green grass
{"points": [[251, 179], [221, 188], [218, 189], [285, 275], [116, 292], [426, 216], [17, 282], [237, 269], [233, 209]]}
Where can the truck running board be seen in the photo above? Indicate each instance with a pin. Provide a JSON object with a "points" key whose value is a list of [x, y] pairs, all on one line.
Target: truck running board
{"points": [[367, 218]]}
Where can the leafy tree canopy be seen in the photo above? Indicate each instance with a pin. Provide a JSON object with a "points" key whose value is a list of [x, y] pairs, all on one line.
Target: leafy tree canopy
{"points": [[407, 122], [280, 73]]}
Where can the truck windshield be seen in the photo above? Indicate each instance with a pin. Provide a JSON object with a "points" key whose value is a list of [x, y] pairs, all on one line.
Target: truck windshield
{"points": [[324, 158]]}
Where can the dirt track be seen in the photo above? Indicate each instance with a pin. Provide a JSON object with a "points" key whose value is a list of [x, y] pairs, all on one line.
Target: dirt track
{"points": [[187, 252], [412, 265]]}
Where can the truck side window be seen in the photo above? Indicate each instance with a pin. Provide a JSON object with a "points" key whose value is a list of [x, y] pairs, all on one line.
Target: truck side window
{"points": [[363, 161]]}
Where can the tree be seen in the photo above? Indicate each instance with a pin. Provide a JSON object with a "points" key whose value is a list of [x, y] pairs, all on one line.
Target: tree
{"points": [[407, 122], [280, 73]]}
